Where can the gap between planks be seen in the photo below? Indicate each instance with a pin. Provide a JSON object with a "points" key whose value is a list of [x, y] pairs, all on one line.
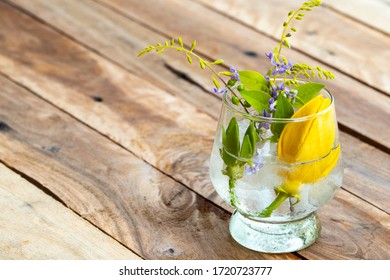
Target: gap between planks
{"points": [[36, 226], [49, 193]]}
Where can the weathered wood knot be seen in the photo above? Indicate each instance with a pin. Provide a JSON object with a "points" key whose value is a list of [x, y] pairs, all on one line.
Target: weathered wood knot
{"points": [[97, 98], [4, 127], [251, 53]]}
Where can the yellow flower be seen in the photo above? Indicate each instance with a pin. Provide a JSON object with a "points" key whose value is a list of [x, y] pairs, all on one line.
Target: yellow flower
{"points": [[309, 145], [306, 141]]}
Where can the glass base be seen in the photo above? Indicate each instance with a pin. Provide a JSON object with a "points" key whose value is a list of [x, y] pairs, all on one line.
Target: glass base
{"points": [[275, 237]]}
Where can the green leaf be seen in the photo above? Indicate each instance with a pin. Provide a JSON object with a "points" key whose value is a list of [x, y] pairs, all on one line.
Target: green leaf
{"points": [[307, 91], [253, 80], [259, 100], [232, 141], [246, 149], [284, 109], [231, 145], [253, 136], [298, 102]]}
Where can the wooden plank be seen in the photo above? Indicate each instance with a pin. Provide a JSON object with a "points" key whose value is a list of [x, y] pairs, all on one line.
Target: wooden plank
{"points": [[367, 238], [136, 204], [171, 139], [35, 226], [374, 13], [320, 37], [366, 172], [121, 39]]}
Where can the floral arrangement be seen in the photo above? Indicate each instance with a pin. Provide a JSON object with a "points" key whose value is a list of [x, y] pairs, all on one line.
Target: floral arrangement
{"points": [[279, 93]]}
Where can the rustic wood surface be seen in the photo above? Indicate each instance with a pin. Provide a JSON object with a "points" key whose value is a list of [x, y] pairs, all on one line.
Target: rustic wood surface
{"points": [[124, 143], [35, 226]]}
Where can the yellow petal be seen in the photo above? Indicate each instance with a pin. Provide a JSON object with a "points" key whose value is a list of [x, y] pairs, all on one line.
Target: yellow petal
{"points": [[311, 139], [309, 172]]}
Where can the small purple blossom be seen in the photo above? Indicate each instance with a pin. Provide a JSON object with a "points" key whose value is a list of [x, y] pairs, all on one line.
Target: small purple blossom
{"points": [[269, 55], [272, 104], [254, 167], [234, 71], [219, 91], [265, 114], [265, 125], [281, 68]]}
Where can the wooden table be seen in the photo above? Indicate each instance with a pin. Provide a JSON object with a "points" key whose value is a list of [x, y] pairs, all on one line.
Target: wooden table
{"points": [[105, 156]]}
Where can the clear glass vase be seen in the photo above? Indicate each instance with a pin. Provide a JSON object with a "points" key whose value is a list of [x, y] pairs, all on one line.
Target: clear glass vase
{"points": [[277, 172]]}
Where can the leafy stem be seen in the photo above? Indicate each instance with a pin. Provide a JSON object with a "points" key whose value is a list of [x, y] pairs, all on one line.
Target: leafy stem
{"points": [[297, 15], [160, 48], [286, 25]]}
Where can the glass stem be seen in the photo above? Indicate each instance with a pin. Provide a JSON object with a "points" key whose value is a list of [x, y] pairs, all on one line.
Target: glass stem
{"points": [[282, 196]]}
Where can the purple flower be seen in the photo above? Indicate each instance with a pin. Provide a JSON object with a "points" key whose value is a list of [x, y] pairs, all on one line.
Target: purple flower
{"points": [[265, 125], [272, 104], [234, 71], [281, 86], [254, 167], [218, 91], [281, 68], [269, 55]]}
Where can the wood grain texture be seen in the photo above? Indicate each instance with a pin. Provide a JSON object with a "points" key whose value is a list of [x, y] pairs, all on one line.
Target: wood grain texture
{"points": [[136, 204], [374, 13], [35, 226], [219, 37], [364, 231], [366, 172], [171, 139], [180, 147], [120, 40], [332, 38]]}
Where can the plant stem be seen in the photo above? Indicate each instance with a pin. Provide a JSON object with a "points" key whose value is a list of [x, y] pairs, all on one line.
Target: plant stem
{"points": [[207, 64], [284, 30], [231, 192], [282, 196]]}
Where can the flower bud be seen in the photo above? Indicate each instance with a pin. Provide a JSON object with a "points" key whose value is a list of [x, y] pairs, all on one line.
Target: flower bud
{"points": [[310, 140]]}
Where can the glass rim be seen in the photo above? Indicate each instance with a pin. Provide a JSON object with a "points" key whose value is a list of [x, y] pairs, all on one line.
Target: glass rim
{"points": [[246, 115]]}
